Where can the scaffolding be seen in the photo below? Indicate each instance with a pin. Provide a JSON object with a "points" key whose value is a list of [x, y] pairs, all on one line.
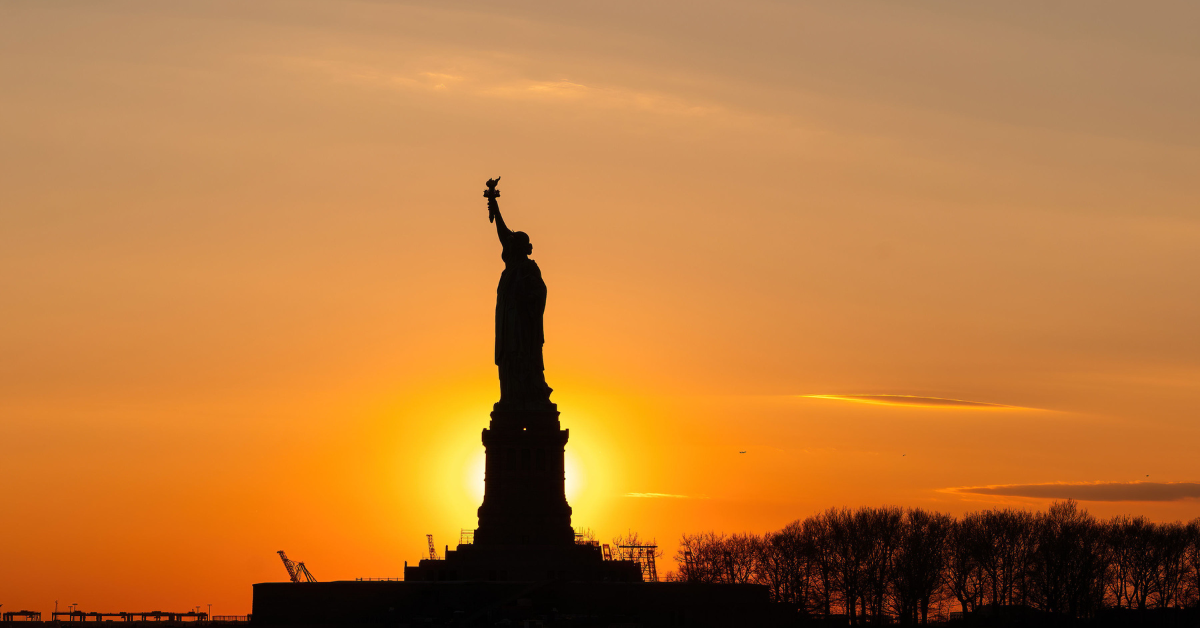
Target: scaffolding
{"points": [[607, 552], [22, 615], [644, 556], [466, 537], [432, 551]]}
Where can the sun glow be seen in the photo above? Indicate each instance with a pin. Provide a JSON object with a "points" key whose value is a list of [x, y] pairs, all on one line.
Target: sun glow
{"points": [[473, 477], [576, 478], [474, 469]]}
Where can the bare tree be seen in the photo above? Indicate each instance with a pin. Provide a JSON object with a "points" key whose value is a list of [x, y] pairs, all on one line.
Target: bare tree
{"points": [[852, 550], [920, 563], [1001, 546], [631, 538], [785, 565], [1070, 561], [1191, 595], [818, 535], [964, 573], [882, 531], [1130, 542], [700, 557], [880, 564], [740, 553], [1171, 564]]}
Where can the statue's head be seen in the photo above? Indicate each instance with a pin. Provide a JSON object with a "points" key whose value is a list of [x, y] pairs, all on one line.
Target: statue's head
{"points": [[521, 240]]}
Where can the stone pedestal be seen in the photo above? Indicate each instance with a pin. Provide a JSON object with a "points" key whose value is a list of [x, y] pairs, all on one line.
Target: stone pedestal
{"points": [[524, 497], [524, 563]]}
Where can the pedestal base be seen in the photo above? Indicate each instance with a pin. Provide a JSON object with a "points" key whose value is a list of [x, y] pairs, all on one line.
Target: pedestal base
{"points": [[500, 563], [548, 603], [524, 498]]}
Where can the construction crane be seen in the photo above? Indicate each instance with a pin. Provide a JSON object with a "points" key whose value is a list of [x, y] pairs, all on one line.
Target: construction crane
{"points": [[432, 552], [296, 571]]}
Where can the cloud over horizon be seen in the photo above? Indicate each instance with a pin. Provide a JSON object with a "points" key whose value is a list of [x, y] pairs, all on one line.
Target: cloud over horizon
{"points": [[1091, 491], [915, 401]]}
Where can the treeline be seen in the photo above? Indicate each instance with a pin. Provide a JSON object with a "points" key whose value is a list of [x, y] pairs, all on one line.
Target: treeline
{"points": [[878, 565]]}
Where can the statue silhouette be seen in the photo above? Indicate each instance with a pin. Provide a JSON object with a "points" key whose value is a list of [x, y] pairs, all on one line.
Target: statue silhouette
{"points": [[520, 304]]}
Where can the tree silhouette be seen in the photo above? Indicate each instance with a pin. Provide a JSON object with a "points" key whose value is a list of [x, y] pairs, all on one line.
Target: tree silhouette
{"points": [[877, 565]]}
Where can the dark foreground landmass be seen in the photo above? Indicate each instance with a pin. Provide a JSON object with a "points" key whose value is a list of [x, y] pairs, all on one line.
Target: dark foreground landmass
{"points": [[568, 604], [553, 603], [620, 605]]}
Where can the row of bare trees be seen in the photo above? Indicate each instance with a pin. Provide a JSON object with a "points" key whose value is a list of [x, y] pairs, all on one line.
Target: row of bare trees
{"points": [[879, 564]]}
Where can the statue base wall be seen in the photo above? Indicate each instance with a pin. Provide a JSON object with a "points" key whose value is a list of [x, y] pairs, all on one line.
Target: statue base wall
{"points": [[524, 499], [545, 603], [500, 563]]}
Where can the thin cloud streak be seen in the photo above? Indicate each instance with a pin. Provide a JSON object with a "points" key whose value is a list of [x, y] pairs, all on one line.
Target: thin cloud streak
{"points": [[919, 402], [1091, 491], [483, 78]]}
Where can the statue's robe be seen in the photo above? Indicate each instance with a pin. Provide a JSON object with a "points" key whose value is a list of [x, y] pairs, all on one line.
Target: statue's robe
{"points": [[520, 304]]}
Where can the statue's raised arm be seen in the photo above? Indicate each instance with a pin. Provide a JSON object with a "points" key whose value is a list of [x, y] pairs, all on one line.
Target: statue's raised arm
{"points": [[491, 194]]}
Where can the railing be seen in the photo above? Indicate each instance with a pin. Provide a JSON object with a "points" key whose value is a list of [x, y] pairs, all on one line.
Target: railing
{"points": [[23, 615], [74, 616], [93, 616], [379, 579]]}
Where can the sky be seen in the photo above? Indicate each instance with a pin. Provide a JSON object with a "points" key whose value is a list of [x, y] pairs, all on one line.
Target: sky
{"points": [[929, 254]]}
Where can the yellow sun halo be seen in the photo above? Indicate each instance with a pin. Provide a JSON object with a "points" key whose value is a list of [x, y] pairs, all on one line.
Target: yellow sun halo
{"points": [[576, 478], [474, 469]]}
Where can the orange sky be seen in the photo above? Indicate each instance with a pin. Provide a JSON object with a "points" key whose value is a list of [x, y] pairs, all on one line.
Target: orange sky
{"points": [[248, 276]]}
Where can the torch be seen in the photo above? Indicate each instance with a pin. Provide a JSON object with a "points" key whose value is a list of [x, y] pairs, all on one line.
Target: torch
{"points": [[492, 193]]}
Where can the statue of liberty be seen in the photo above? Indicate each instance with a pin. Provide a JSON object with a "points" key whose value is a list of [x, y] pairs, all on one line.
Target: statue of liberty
{"points": [[520, 304]]}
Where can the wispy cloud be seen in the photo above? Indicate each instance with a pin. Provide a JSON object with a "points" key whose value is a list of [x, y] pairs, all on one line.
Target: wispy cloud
{"points": [[1090, 491], [481, 77], [914, 401], [604, 96], [668, 495]]}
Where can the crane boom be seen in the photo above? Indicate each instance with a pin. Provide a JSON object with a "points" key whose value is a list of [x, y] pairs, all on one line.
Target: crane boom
{"points": [[296, 571], [289, 566], [303, 572]]}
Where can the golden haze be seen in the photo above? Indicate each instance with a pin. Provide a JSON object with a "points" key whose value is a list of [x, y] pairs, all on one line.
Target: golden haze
{"points": [[248, 278]]}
